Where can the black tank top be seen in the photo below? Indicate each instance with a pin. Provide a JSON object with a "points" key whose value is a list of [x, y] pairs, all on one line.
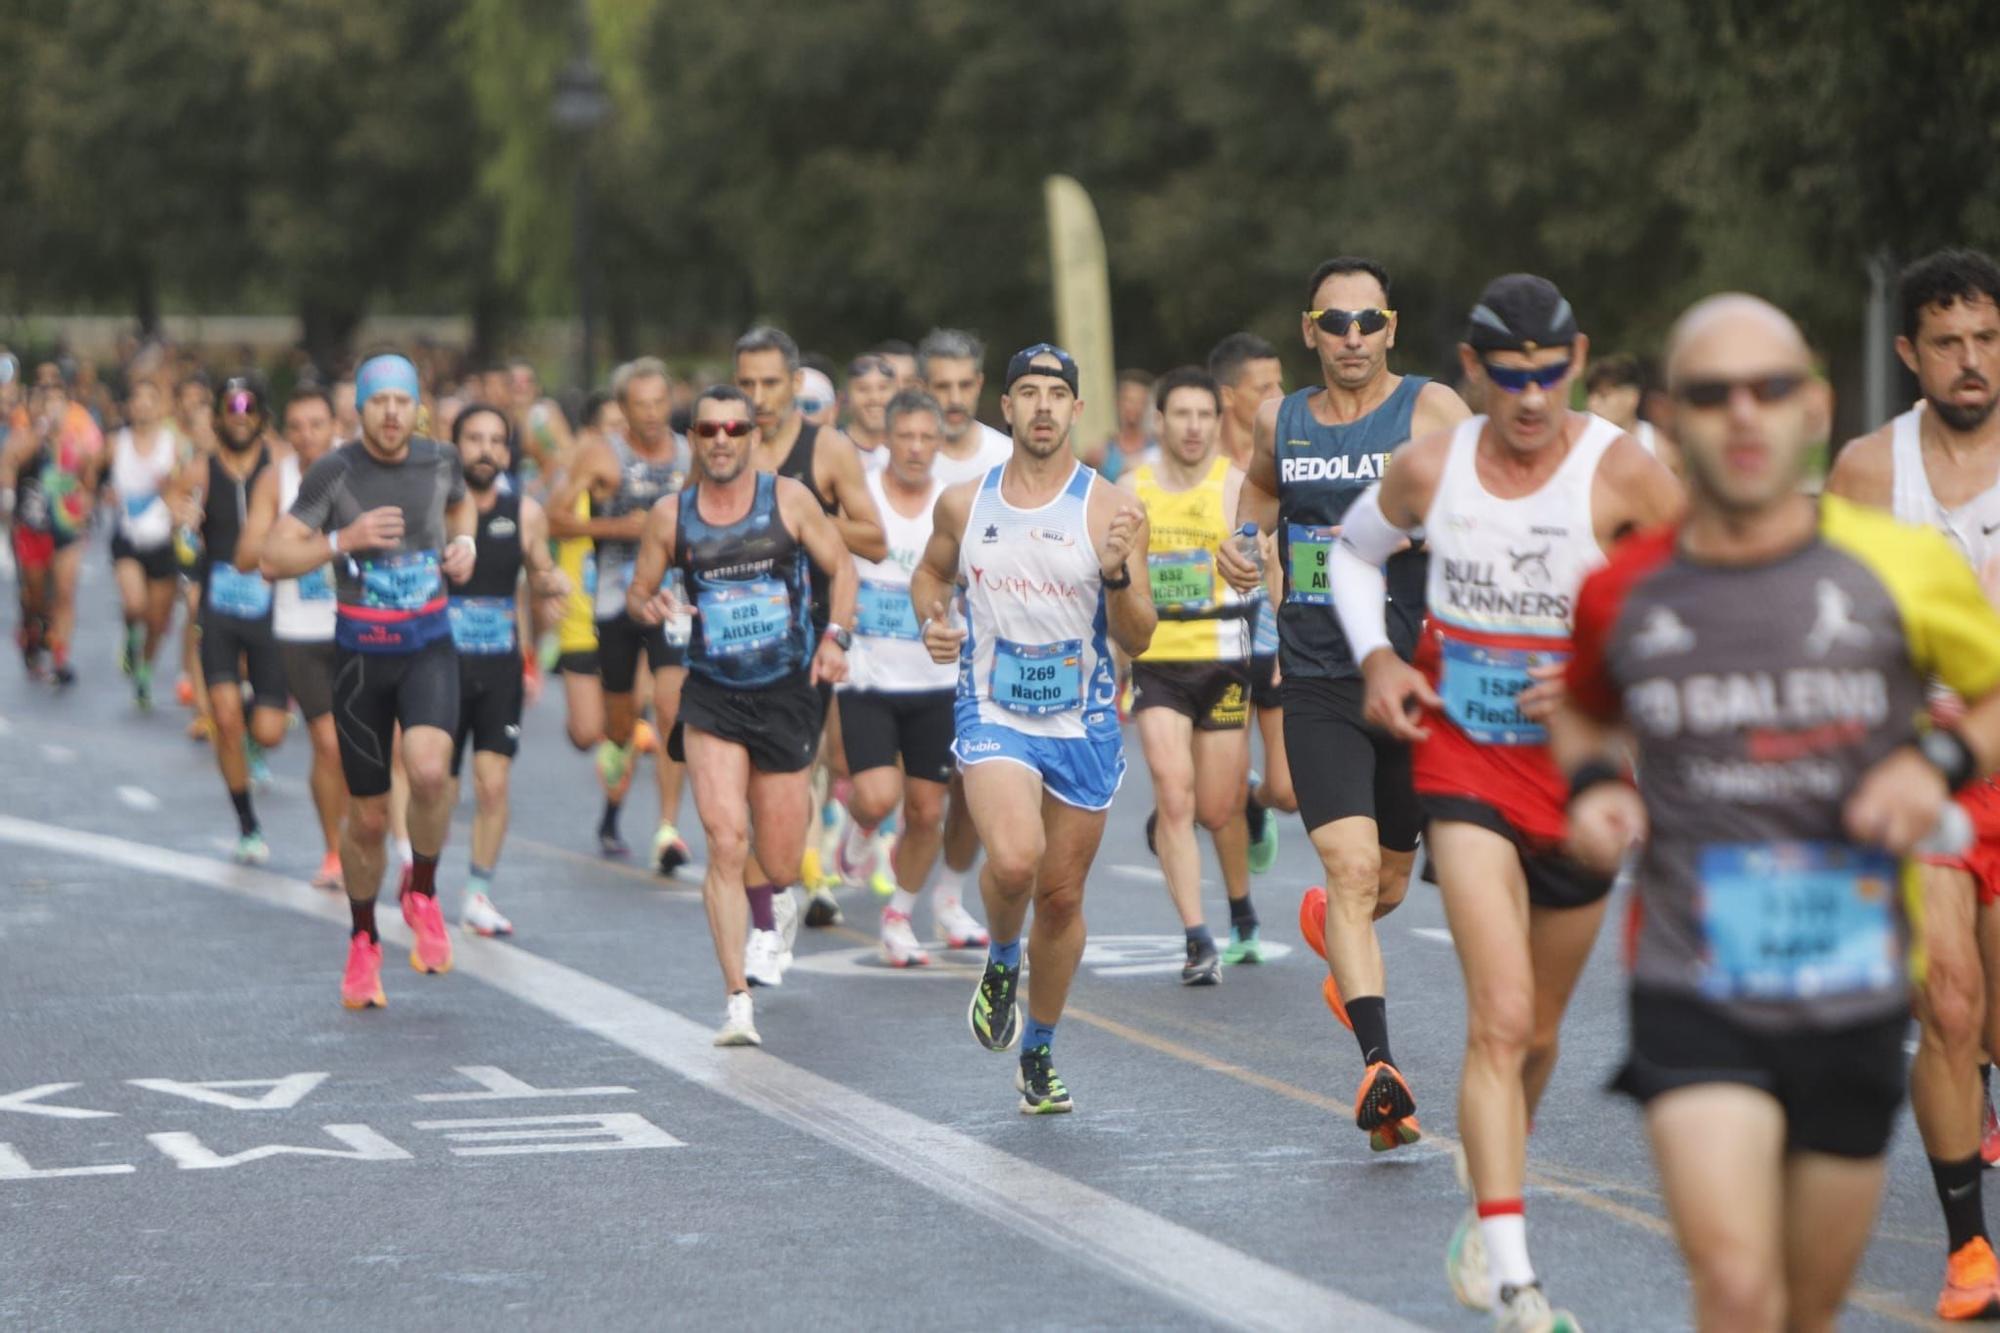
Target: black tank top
{"points": [[225, 505], [798, 465], [497, 572], [744, 580]]}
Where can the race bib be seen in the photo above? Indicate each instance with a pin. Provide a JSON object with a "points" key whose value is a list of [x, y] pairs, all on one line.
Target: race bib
{"points": [[314, 586], [1796, 920], [612, 582], [1309, 579], [1479, 687], [482, 626], [1038, 678], [234, 593], [738, 619], [1181, 580], [883, 611], [408, 582]]}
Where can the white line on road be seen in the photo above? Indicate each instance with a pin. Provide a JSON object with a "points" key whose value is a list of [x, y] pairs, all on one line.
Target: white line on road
{"points": [[1432, 933], [58, 754], [1155, 1256], [138, 798], [1150, 874], [6, 727]]}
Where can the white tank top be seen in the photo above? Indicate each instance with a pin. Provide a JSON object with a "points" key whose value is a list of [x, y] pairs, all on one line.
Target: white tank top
{"points": [[889, 654], [1034, 658], [1503, 580], [1972, 527], [302, 609], [1648, 438], [137, 475], [994, 449]]}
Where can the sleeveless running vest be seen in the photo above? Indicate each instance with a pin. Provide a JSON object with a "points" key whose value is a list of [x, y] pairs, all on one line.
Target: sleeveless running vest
{"points": [[1034, 658], [1321, 471], [483, 610], [747, 580], [302, 609], [641, 481], [889, 654], [798, 465], [577, 559], [1973, 527], [1202, 619], [225, 505], [137, 475]]}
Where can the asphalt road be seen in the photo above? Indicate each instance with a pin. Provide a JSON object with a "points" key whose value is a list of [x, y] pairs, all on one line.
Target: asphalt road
{"points": [[194, 1133]]}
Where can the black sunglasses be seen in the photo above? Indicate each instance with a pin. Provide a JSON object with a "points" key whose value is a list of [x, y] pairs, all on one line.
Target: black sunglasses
{"points": [[1714, 393], [1336, 322]]}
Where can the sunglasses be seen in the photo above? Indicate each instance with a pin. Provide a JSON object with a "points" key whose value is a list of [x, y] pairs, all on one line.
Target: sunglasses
{"points": [[811, 406], [1336, 322], [735, 429], [1516, 379], [1716, 393], [240, 405]]}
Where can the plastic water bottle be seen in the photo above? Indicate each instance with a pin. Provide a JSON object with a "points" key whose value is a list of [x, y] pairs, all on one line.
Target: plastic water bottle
{"points": [[187, 542], [1248, 545], [1953, 835]]}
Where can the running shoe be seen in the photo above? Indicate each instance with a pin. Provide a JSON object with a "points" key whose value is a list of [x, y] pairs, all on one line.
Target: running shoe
{"points": [[1312, 925], [328, 876], [739, 1024], [1526, 1310], [260, 767], [430, 951], [763, 959], [899, 941], [1042, 1092], [200, 730], [184, 692], [822, 910], [142, 687], [481, 917], [609, 844], [1203, 966], [858, 857], [64, 675], [992, 1015], [612, 762], [644, 739], [669, 852], [251, 849], [1385, 1107], [785, 910], [1243, 946], [361, 984], [1263, 829], [1989, 1136], [1971, 1282], [1465, 1264], [957, 928], [403, 881]]}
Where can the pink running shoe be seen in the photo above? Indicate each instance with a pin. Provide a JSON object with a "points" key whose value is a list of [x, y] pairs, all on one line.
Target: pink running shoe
{"points": [[432, 949], [361, 986], [329, 872]]}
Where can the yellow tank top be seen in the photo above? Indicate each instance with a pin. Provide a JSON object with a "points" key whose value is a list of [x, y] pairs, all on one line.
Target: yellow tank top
{"points": [[578, 631], [1202, 619]]}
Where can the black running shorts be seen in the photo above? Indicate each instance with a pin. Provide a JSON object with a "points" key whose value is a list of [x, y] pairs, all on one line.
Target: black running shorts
{"points": [[1841, 1087], [577, 664], [373, 692], [877, 726], [242, 652], [1215, 696], [1342, 767], [158, 564], [1554, 878], [309, 669], [620, 640], [778, 724], [489, 705], [1264, 683]]}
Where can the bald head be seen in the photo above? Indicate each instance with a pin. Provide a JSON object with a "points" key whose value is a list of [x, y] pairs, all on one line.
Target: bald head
{"points": [[1730, 334], [1747, 408]]}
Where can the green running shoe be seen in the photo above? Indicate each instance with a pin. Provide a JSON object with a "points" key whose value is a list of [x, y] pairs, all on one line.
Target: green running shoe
{"points": [[1263, 830], [612, 761], [992, 1015], [1243, 946], [1042, 1092]]}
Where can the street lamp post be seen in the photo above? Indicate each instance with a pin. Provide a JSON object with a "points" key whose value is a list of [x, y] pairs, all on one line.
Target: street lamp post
{"points": [[580, 106]]}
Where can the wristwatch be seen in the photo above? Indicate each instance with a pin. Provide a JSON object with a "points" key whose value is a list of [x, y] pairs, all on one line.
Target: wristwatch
{"points": [[1124, 579], [1948, 753], [840, 637]]}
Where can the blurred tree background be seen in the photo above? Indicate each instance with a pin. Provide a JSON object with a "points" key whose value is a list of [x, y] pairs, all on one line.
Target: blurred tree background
{"points": [[869, 169]]}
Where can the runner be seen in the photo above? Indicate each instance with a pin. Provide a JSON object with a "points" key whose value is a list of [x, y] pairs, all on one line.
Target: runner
{"points": [[512, 537], [750, 715], [302, 613], [1516, 508], [1938, 465], [538, 422], [392, 514], [624, 475], [871, 383], [53, 458], [194, 419], [1191, 689], [1134, 443], [1248, 371], [1770, 658], [1352, 779], [1047, 557], [576, 631], [1616, 389], [144, 458], [211, 501], [896, 702], [904, 358]]}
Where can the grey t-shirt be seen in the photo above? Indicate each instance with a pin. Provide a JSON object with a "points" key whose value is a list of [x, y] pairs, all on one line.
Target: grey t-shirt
{"points": [[349, 481]]}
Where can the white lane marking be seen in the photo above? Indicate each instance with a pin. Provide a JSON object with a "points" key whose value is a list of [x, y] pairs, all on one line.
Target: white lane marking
{"points": [[6, 727], [1155, 1256], [1150, 874], [138, 798], [1432, 933], [58, 754]]}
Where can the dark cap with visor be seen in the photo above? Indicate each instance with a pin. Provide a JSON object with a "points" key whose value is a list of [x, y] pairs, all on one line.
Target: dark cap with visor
{"points": [[1520, 313], [1023, 363]]}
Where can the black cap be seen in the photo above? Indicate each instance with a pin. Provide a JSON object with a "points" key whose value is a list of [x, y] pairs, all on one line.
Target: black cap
{"points": [[1023, 363], [1520, 313]]}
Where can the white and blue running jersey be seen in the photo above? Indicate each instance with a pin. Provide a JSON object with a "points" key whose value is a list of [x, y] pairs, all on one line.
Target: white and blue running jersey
{"points": [[1034, 658]]}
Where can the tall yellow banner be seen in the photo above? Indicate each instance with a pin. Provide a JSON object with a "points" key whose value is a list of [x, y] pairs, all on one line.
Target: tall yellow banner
{"points": [[1083, 304]]}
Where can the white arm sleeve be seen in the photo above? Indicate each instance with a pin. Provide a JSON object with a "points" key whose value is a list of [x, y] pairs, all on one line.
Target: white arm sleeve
{"points": [[1360, 591]]}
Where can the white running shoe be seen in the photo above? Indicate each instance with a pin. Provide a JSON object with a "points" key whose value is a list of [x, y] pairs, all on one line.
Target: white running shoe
{"points": [[739, 1024], [958, 928], [785, 909], [1465, 1264], [899, 941], [859, 856], [481, 917], [1527, 1310], [763, 959]]}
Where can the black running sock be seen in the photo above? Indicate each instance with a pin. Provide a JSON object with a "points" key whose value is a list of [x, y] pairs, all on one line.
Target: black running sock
{"points": [[609, 824], [423, 874], [1959, 1194], [1198, 935], [364, 918], [1242, 915], [1370, 1016], [246, 818]]}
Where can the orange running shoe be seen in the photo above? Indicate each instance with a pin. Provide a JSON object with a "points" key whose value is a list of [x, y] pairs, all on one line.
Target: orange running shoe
{"points": [[1386, 1108], [644, 739], [1312, 925], [1971, 1283], [431, 950], [184, 692], [329, 872], [361, 985]]}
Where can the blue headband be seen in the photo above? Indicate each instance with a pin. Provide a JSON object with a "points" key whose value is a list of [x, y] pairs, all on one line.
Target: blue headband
{"points": [[378, 373]]}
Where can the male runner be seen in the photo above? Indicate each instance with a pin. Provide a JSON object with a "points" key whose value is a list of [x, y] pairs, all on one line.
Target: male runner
{"points": [[392, 514], [1314, 451], [1516, 507], [1615, 389], [1191, 691], [1938, 465], [538, 422], [1046, 555], [897, 703], [871, 383], [56, 454], [750, 714], [624, 475], [1133, 443], [302, 613], [485, 615], [194, 420], [1247, 370], [144, 458], [211, 500], [1770, 658], [903, 357]]}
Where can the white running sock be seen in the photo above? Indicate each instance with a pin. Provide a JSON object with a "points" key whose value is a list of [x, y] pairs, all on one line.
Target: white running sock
{"points": [[945, 893], [405, 853], [906, 903], [1507, 1265], [854, 843]]}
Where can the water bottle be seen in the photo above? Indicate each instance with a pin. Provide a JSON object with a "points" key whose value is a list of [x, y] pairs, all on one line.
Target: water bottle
{"points": [[1953, 836], [1250, 548], [187, 542]]}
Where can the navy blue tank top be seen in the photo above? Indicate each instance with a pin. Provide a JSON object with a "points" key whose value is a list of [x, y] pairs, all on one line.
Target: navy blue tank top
{"points": [[1321, 471], [751, 593]]}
